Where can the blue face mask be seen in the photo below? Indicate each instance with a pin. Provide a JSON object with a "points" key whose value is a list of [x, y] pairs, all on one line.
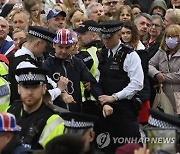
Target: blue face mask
{"points": [[171, 42]]}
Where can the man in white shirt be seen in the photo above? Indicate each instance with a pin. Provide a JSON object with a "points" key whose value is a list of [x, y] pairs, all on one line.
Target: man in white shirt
{"points": [[28, 56], [121, 77]]}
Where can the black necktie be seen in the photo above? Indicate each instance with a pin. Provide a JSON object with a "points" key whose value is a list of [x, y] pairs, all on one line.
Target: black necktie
{"points": [[111, 53]]}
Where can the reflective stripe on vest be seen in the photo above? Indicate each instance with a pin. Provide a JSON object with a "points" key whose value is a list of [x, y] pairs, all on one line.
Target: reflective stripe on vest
{"points": [[94, 71], [4, 95], [54, 127], [4, 103]]}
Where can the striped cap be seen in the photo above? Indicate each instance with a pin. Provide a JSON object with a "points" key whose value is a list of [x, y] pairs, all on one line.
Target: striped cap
{"points": [[42, 33], [78, 120], [88, 25], [162, 120], [109, 28], [8, 123], [31, 76], [64, 37]]}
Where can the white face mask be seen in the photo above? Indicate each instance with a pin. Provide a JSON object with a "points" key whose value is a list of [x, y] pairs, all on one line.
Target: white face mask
{"points": [[171, 42]]}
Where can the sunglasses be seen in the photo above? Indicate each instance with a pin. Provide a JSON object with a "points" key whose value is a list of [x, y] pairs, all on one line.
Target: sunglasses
{"points": [[109, 3]]}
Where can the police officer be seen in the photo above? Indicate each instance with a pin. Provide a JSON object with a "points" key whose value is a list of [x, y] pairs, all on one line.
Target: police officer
{"points": [[4, 87], [38, 121], [90, 44], [4, 95], [121, 77], [161, 125], [29, 55], [82, 125]]}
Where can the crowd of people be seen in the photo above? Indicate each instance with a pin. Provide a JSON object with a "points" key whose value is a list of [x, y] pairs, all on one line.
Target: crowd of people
{"points": [[78, 76]]}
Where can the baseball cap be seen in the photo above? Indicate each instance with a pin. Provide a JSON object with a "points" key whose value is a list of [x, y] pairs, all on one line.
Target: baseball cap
{"points": [[53, 13]]}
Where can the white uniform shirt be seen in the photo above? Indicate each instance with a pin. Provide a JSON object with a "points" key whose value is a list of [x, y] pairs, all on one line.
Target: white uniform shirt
{"points": [[132, 65], [53, 92]]}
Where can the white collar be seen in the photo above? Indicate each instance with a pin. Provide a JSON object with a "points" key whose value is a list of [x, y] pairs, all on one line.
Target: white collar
{"points": [[24, 51], [114, 50]]}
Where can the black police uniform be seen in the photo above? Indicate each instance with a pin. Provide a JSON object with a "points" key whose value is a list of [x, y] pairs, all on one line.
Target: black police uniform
{"points": [[14, 61], [85, 56], [24, 56], [123, 122], [32, 123], [88, 53], [124, 117]]}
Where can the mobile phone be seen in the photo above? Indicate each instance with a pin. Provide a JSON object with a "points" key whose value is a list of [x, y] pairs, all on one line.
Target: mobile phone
{"points": [[161, 141]]}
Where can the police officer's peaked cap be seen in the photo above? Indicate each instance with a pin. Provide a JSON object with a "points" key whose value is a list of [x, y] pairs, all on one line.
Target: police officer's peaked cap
{"points": [[163, 120], [31, 76], [88, 25], [42, 33], [108, 28], [78, 120]]}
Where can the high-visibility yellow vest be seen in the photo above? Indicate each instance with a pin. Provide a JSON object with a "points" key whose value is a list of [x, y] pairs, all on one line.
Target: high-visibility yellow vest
{"points": [[94, 70], [4, 95], [54, 127], [4, 70]]}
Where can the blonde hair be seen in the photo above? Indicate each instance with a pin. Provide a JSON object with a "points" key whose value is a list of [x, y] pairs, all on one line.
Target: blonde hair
{"points": [[60, 6], [173, 31], [124, 7], [28, 4], [67, 4], [20, 30], [17, 11], [71, 13], [174, 15], [77, 18]]}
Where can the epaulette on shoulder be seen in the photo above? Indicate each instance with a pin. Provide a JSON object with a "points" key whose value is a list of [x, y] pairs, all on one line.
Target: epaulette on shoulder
{"points": [[128, 47]]}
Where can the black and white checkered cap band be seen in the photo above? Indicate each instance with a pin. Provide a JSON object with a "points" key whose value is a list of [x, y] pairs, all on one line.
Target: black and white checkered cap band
{"points": [[42, 36], [110, 30], [78, 124], [31, 77], [158, 123], [94, 29]]}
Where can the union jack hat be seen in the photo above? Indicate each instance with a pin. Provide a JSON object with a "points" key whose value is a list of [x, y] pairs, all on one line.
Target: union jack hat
{"points": [[8, 123], [64, 37]]}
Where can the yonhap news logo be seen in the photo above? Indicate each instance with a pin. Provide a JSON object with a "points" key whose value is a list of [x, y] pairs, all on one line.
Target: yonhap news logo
{"points": [[103, 140]]}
